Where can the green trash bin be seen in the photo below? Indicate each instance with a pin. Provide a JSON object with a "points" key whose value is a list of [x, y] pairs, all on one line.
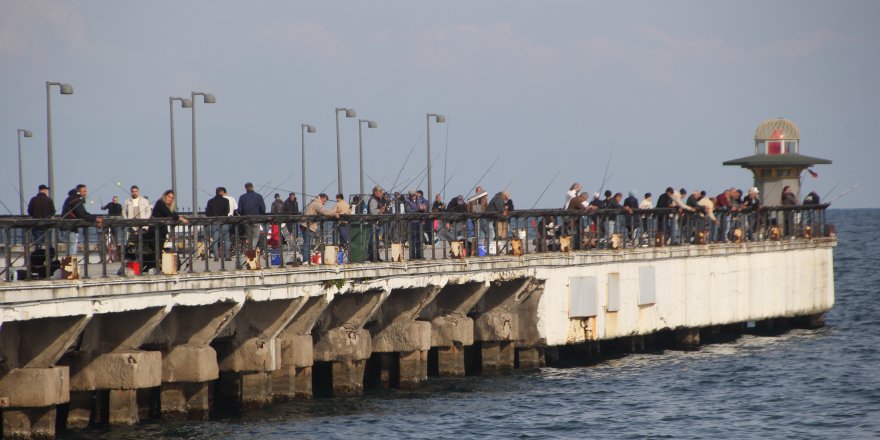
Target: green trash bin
{"points": [[359, 240]]}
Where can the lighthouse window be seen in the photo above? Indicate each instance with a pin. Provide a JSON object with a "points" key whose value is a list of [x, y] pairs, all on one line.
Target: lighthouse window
{"points": [[774, 147], [791, 147]]}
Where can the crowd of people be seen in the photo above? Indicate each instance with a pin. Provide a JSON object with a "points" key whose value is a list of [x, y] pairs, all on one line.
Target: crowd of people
{"points": [[719, 216]]}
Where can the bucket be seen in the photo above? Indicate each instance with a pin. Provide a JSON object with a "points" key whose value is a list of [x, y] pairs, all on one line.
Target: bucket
{"points": [[275, 258], [134, 267], [340, 257], [481, 250], [316, 258]]}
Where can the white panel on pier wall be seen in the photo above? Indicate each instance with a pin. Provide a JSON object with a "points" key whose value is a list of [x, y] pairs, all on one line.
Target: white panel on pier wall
{"points": [[694, 291]]}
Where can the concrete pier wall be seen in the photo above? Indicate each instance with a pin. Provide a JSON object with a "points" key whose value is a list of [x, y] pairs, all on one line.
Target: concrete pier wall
{"points": [[101, 348]]}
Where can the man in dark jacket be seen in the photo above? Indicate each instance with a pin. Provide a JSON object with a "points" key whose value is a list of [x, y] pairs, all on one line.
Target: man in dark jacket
{"points": [[74, 208], [251, 203], [291, 207], [40, 206], [664, 201], [218, 206]]}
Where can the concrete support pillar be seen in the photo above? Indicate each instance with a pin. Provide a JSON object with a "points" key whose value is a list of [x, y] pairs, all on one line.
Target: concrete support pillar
{"points": [[123, 407], [348, 378], [109, 358], [497, 356], [246, 352], [413, 368], [185, 400], [529, 358], [80, 409], [189, 363], [31, 385], [29, 422], [397, 330], [451, 328], [292, 378], [450, 361], [687, 338], [339, 338], [506, 319]]}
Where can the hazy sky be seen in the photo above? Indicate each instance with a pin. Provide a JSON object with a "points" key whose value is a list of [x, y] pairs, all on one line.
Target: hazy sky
{"points": [[672, 88]]}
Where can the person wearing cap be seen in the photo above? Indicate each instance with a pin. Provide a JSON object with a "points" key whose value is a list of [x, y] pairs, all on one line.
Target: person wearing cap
{"points": [[415, 204], [277, 205], [750, 206], [788, 199], [40, 206]]}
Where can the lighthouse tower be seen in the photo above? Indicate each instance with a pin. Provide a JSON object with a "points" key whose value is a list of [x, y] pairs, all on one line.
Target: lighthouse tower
{"points": [[777, 161]]}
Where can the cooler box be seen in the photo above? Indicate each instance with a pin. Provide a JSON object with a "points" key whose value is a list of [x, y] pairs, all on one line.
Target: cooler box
{"points": [[481, 250]]}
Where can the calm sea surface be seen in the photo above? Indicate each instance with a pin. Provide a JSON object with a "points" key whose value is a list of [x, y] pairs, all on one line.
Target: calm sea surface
{"points": [[821, 384]]}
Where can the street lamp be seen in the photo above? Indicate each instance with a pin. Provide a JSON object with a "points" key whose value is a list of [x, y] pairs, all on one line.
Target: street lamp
{"points": [[185, 103], [370, 124], [27, 134], [438, 119], [66, 89], [311, 129], [208, 99], [349, 113]]}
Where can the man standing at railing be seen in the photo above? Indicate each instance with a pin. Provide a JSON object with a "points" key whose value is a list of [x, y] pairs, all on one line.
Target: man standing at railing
{"points": [[310, 229], [251, 204], [376, 206], [498, 205], [752, 206], [291, 207], [74, 208], [40, 206], [218, 206], [342, 208], [788, 199]]}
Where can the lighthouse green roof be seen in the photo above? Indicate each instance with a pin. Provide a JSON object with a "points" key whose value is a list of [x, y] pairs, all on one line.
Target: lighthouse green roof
{"points": [[777, 160]]}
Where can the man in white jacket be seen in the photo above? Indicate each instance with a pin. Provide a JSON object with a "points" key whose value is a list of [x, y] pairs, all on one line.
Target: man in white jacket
{"points": [[137, 206]]}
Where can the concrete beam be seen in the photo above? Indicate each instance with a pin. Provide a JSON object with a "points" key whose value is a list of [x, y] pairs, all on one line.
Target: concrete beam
{"points": [[506, 316], [38, 343], [246, 352], [339, 338], [396, 330], [292, 377], [108, 357], [451, 328]]}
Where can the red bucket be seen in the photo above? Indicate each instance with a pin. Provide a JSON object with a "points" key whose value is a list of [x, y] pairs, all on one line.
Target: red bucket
{"points": [[134, 266]]}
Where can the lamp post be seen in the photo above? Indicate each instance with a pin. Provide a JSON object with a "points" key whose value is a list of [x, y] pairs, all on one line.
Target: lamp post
{"points": [[185, 103], [27, 134], [438, 119], [66, 89], [311, 129], [370, 124], [208, 99], [349, 113]]}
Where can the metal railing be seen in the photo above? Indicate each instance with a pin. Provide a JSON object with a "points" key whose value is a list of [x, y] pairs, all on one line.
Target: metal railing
{"points": [[35, 248]]}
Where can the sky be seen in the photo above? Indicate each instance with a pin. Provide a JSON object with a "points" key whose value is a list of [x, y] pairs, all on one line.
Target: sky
{"points": [[537, 95]]}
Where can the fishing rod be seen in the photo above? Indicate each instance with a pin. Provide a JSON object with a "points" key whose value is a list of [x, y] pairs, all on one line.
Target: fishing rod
{"points": [[545, 190], [422, 173], [605, 176], [443, 191], [277, 187], [18, 190], [407, 160], [481, 177], [844, 193], [445, 160], [832, 189]]}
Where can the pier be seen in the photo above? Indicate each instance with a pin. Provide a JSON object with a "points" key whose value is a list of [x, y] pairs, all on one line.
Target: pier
{"points": [[106, 346]]}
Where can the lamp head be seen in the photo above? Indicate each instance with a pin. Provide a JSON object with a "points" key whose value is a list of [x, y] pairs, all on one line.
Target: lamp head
{"points": [[66, 89], [372, 124], [209, 98], [310, 129], [186, 103], [28, 133], [350, 113], [440, 119]]}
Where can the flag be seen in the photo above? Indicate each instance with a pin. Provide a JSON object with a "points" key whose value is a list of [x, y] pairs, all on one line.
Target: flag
{"points": [[813, 173]]}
